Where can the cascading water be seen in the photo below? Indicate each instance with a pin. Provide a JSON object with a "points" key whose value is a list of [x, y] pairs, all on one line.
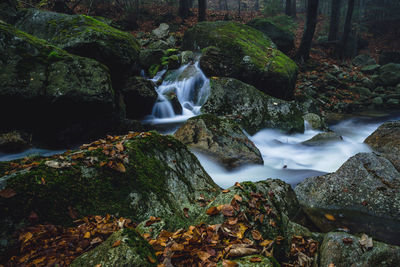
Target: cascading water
{"points": [[180, 96]]}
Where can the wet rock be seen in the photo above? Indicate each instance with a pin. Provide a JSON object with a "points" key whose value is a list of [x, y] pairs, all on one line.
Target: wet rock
{"points": [[243, 53], [159, 44], [176, 105], [86, 37], [247, 262], [323, 138], [363, 60], [377, 101], [370, 69], [283, 38], [314, 120], [150, 57], [139, 97], [252, 109], [222, 139], [14, 141], [132, 251], [343, 250], [187, 57], [363, 195]]}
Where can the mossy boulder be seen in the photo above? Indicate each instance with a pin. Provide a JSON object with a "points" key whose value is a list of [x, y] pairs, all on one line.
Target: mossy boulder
{"points": [[323, 139], [343, 250], [222, 139], [283, 38], [139, 97], [245, 53], [133, 251], [251, 108], [247, 262], [151, 175], [14, 141], [85, 36], [389, 74], [8, 10], [58, 97], [362, 195]]}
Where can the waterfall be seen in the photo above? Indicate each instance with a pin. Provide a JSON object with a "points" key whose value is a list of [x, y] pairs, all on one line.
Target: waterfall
{"points": [[180, 96]]}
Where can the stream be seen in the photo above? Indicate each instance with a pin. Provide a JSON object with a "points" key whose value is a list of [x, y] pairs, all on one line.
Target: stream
{"points": [[284, 155]]}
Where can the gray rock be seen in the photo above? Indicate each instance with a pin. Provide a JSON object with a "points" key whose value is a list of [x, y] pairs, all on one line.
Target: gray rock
{"points": [[323, 138], [149, 57], [366, 82], [222, 139], [187, 57], [363, 195], [162, 31], [336, 249], [377, 101], [314, 120], [251, 108], [363, 60], [133, 251], [370, 69], [393, 102], [361, 90], [159, 45]]}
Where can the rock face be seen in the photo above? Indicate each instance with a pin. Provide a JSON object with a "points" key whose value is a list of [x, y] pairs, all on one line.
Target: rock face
{"points": [[389, 74], [14, 141], [59, 97], [139, 97], [221, 139], [242, 52], [363, 60], [249, 107], [334, 250], [146, 175], [363, 195], [283, 39], [133, 251], [386, 140], [85, 36]]}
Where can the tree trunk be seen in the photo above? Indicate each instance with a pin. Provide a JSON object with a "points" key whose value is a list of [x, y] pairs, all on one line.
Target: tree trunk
{"points": [[288, 7], [294, 9], [257, 5], [202, 9], [340, 49], [303, 53], [334, 23], [239, 5], [184, 8]]}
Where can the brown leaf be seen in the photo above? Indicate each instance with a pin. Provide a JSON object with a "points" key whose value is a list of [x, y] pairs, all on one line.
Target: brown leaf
{"points": [[256, 235], [203, 255], [212, 211], [96, 240], [238, 198], [7, 193], [330, 217], [186, 212], [151, 259], [232, 220], [120, 147], [116, 243], [228, 210], [331, 264], [255, 259], [228, 263], [347, 240], [237, 184], [177, 247], [118, 166], [242, 251], [226, 191], [86, 235]]}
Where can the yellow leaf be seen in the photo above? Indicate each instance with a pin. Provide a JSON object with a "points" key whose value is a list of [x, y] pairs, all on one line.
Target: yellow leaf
{"points": [[241, 230], [119, 167], [265, 243], [87, 235], [330, 217], [116, 243]]}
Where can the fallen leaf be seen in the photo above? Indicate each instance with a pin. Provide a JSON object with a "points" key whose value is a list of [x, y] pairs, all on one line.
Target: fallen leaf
{"points": [[151, 259], [96, 240], [228, 263], [330, 217], [203, 255], [119, 167], [331, 264], [256, 235], [116, 243], [366, 241], [186, 212], [347, 240], [226, 191], [266, 242], [86, 235], [7, 193], [228, 210], [238, 198], [212, 211], [255, 259], [242, 251], [120, 147], [237, 184]]}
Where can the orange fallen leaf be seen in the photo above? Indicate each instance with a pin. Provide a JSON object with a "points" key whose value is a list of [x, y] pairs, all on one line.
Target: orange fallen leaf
{"points": [[116, 243], [212, 211], [86, 235], [228, 263], [120, 147], [119, 167], [255, 259], [238, 198], [226, 191], [151, 259], [203, 255], [256, 235], [330, 217]]}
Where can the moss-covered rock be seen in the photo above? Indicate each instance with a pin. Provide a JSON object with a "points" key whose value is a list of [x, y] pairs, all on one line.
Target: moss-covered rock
{"points": [[222, 139], [252, 109], [160, 178], [8, 10], [283, 38], [57, 96], [133, 251], [85, 36], [244, 53], [247, 262], [343, 250]]}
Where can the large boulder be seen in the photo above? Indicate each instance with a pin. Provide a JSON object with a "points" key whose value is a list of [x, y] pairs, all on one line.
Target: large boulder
{"points": [[219, 138], [59, 97], [389, 75], [242, 52], [283, 38], [252, 109], [14, 141], [135, 176], [85, 36], [386, 140], [389, 57], [139, 97], [363, 60], [343, 250], [8, 10], [323, 138], [363, 195], [133, 250]]}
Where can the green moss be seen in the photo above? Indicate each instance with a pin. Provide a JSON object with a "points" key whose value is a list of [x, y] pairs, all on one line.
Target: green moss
{"points": [[54, 55], [153, 70], [141, 246]]}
